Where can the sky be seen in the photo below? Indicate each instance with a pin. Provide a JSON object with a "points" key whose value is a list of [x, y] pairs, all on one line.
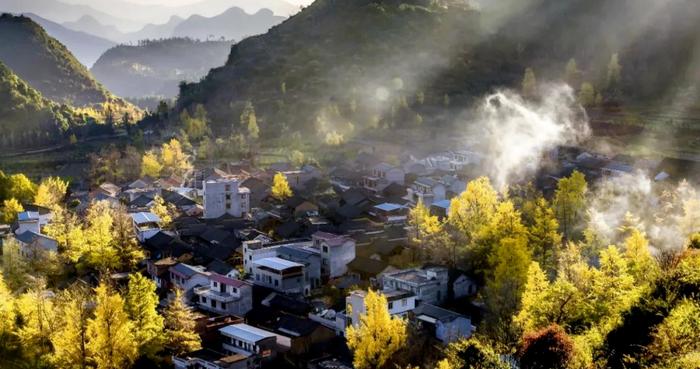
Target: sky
{"points": [[184, 2]]}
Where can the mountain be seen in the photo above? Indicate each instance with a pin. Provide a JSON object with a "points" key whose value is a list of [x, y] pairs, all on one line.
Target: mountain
{"points": [[155, 68], [50, 68], [155, 31], [26, 117], [367, 61], [89, 24], [86, 48], [59, 11], [233, 24]]}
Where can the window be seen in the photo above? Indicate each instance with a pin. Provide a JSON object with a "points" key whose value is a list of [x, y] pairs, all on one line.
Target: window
{"points": [[234, 289], [325, 249], [391, 305], [216, 284], [213, 303], [277, 283], [223, 306], [203, 299], [228, 196], [227, 188], [404, 302]]}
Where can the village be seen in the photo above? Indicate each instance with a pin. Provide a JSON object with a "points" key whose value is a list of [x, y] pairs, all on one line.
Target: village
{"points": [[277, 279]]}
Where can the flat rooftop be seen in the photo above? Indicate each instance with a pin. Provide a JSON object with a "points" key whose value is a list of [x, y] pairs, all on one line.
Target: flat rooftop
{"points": [[246, 332]]}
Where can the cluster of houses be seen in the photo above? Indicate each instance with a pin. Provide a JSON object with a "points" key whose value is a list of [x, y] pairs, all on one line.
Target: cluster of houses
{"points": [[277, 279]]}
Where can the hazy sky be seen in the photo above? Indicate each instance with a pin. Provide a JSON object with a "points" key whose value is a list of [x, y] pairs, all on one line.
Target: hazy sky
{"points": [[183, 2]]}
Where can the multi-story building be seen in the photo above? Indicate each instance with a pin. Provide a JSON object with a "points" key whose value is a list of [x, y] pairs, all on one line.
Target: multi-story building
{"points": [[146, 225], [187, 277], [430, 285], [225, 196], [337, 252], [381, 176], [399, 303], [294, 256], [225, 295]]}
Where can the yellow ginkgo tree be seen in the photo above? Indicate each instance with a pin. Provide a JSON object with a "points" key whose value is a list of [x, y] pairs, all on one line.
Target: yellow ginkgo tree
{"points": [[377, 336]]}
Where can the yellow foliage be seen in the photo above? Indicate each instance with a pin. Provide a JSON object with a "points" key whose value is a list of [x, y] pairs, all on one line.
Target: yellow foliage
{"points": [[150, 165], [280, 187], [10, 209], [377, 336], [51, 192], [111, 342]]}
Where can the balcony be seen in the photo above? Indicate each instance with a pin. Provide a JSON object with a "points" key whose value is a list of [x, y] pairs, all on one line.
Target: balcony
{"points": [[215, 295]]}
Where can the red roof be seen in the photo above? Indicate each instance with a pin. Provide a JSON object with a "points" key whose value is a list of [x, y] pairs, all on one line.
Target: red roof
{"points": [[226, 280]]}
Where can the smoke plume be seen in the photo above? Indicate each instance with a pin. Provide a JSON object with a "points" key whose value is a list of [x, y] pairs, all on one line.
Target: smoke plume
{"points": [[518, 132]]}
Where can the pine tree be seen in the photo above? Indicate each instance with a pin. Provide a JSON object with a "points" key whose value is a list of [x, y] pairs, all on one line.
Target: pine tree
{"points": [[280, 187], [180, 334], [125, 244], [111, 343], [587, 95], [141, 302], [378, 335], [572, 74]]}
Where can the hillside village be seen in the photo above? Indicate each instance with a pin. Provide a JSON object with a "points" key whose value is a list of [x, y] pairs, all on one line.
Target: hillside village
{"points": [[276, 278]]}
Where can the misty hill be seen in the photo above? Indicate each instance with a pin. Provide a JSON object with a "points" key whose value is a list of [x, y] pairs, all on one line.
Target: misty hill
{"points": [[86, 47], [154, 31], [89, 24], [155, 68], [26, 117], [48, 66], [60, 12], [369, 59], [233, 24]]}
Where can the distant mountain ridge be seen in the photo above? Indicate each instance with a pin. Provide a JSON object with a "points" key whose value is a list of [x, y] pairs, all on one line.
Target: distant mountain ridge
{"points": [[233, 24], [156, 67], [86, 47]]}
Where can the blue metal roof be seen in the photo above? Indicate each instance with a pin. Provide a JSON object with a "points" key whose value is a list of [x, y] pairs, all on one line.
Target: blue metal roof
{"points": [[27, 215], [245, 332], [277, 263], [387, 206], [145, 217]]}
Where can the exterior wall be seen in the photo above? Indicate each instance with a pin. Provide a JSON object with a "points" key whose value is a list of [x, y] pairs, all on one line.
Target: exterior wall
{"points": [[454, 330], [29, 225], [188, 285], [311, 273], [431, 292], [337, 258], [463, 286], [237, 345], [395, 175], [293, 284], [225, 197], [238, 302], [355, 302]]}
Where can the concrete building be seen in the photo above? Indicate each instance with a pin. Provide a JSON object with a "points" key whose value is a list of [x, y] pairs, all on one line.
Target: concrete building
{"points": [[430, 285], [381, 176], [399, 303], [298, 253], [281, 275], [445, 325], [337, 252], [146, 225], [187, 277], [225, 196], [225, 296], [256, 344]]}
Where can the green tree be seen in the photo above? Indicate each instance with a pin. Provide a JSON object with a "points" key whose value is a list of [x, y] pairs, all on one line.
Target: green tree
{"points": [[280, 187], [250, 121], [377, 336], [180, 335], [141, 302], [474, 353], [111, 343], [587, 95], [570, 201], [529, 84]]}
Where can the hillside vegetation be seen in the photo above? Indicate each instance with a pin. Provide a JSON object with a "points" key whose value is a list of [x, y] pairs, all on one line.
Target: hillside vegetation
{"points": [[341, 65], [49, 67]]}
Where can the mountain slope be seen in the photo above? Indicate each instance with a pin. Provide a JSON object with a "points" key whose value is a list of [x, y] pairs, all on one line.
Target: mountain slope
{"points": [[233, 24], [367, 60], [86, 47], [50, 68], [26, 117], [155, 68]]}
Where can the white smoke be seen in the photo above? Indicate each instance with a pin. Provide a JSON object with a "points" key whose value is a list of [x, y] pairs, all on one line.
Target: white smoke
{"points": [[667, 214], [518, 132]]}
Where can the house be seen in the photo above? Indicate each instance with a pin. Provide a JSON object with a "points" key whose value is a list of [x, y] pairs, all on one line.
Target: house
{"points": [[441, 209], [146, 225], [445, 325], [430, 285], [186, 277], [281, 275], [381, 176], [254, 343], [298, 179], [33, 218], [399, 303], [141, 183], [32, 244], [427, 190], [258, 191], [336, 253], [367, 269], [210, 359], [159, 271], [389, 213], [463, 286], [300, 207], [109, 189], [225, 296], [300, 334], [225, 196]]}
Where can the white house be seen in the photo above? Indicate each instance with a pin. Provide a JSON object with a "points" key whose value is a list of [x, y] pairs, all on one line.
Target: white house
{"points": [[32, 243], [447, 326], [337, 252], [382, 175], [430, 285], [225, 196], [254, 343], [187, 277], [259, 263], [146, 225], [33, 220], [224, 296], [427, 190], [281, 275]]}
